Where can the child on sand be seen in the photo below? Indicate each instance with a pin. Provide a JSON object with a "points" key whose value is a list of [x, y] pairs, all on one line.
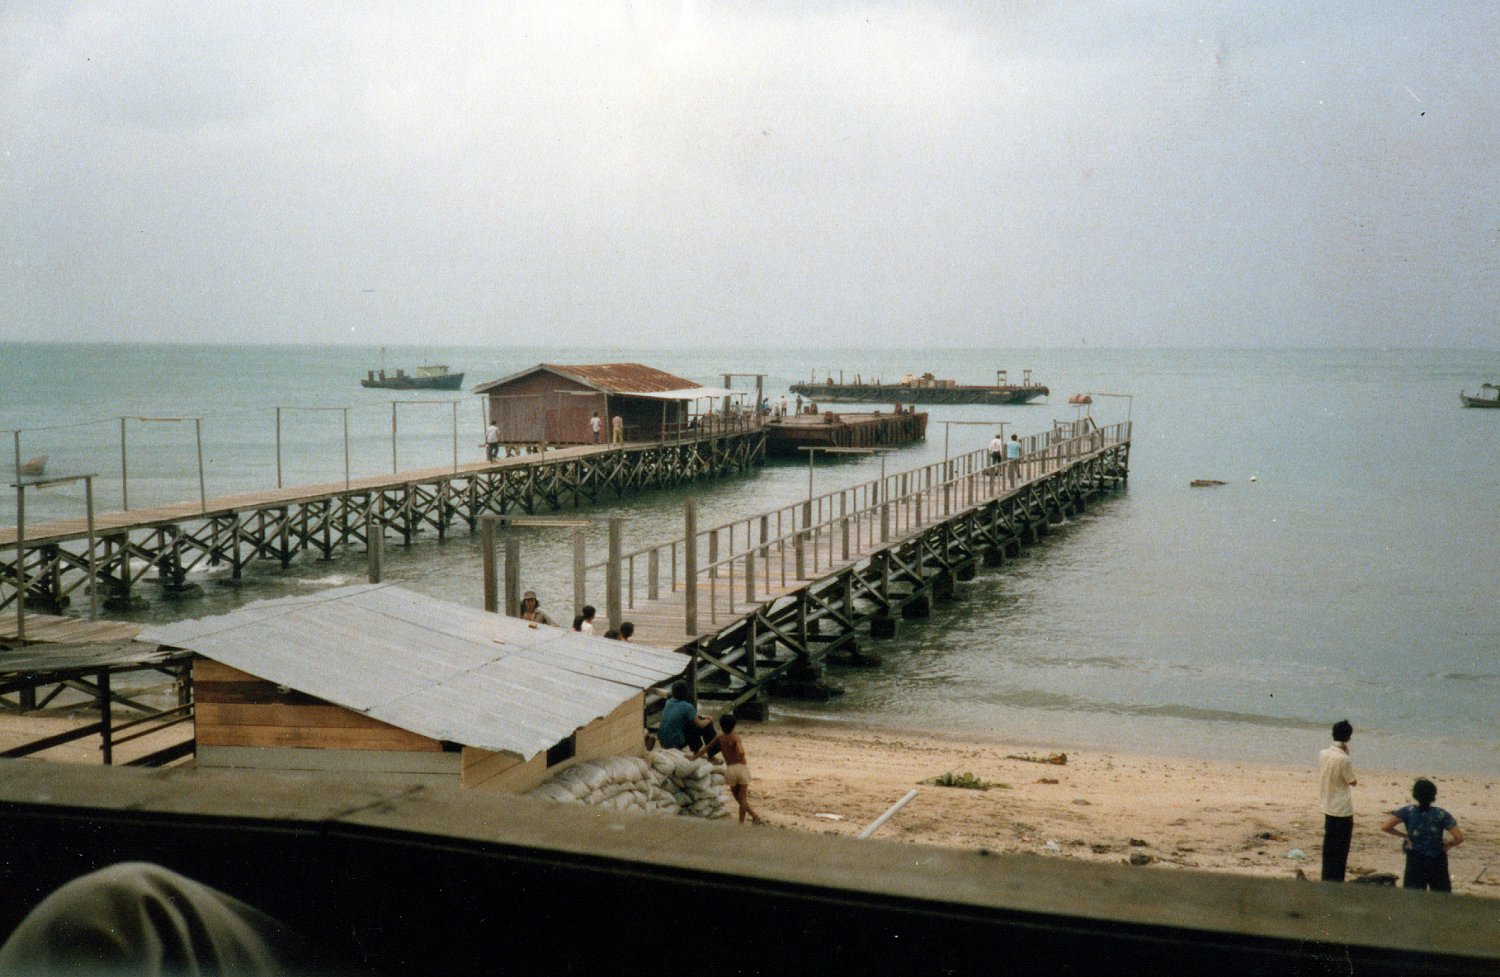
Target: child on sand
{"points": [[736, 770], [1426, 850]]}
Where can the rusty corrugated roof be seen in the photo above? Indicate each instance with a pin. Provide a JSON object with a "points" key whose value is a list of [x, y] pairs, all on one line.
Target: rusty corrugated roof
{"points": [[612, 378]]}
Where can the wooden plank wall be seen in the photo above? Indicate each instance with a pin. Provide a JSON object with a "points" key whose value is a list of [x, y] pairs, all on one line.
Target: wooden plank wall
{"points": [[621, 733], [235, 708]]}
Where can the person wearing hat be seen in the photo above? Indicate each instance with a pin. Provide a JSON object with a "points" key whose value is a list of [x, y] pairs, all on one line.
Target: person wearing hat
{"points": [[532, 611]]}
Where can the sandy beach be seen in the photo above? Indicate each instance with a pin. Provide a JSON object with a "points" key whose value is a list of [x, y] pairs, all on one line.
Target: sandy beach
{"points": [[1168, 812], [1105, 807]]}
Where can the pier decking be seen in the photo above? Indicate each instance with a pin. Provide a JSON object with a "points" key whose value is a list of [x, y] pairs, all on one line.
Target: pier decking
{"points": [[761, 603]]}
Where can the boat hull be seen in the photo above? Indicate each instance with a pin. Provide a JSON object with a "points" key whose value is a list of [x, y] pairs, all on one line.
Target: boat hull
{"points": [[451, 381], [1468, 401], [897, 393]]}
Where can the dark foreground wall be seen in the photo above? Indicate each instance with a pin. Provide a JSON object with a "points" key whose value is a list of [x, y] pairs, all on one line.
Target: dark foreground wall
{"points": [[430, 881]]}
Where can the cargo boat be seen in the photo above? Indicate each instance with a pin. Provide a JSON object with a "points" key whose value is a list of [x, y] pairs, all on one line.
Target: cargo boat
{"points": [[925, 389], [785, 436], [435, 377]]}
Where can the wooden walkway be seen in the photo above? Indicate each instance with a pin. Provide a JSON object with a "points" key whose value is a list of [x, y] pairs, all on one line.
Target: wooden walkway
{"points": [[750, 599], [57, 558]]}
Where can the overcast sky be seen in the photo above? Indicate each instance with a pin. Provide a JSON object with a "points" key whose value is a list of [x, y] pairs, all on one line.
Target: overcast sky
{"points": [[1121, 173]]}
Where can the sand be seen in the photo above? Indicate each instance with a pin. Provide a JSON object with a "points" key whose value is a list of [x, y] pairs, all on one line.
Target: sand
{"points": [[1105, 807], [1244, 818]]}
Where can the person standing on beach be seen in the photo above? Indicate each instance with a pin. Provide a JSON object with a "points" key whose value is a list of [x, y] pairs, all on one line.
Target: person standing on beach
{"points": [[1426, 851], [531, 610], [1335, 777], [595, 425], [736, 767]]}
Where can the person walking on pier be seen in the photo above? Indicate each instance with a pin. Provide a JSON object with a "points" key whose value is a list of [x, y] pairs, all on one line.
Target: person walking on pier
{"points": [[736, 767], [617, 429], [1426, 851], [997, 447], [595, 425], [491, 441], [1335, 777], [1013, 460]]}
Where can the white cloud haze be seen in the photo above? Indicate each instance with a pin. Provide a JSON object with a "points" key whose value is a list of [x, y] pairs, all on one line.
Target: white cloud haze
{"points": [[1017, 174]]}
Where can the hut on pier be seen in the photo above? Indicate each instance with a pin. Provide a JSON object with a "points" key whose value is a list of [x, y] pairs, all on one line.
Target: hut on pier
{"points": [[553, 404], [380, 680]]}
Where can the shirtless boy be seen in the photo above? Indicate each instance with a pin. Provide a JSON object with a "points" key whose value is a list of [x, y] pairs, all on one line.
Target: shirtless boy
{"points": [[736, 770]]}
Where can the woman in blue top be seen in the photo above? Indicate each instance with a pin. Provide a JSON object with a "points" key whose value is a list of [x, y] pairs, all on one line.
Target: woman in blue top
{"points": [[1426, 851]]}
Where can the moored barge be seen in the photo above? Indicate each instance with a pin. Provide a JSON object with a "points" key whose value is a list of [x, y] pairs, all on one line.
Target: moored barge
{"points": [[840, 430], [924, 389]]}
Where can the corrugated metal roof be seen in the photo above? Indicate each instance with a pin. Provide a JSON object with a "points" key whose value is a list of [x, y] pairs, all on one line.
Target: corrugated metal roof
{"points": [[437, 669], [611, 378], [80, 656]]}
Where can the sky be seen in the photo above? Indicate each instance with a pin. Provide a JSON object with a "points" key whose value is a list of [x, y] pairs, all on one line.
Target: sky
{"points": [[1017, 173]]}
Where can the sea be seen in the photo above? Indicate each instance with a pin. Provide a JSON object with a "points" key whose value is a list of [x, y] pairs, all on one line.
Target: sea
{"points": [[1345, 568]]}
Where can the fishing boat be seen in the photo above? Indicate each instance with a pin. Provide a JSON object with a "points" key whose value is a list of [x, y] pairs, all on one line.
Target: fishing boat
{"points": [[430, 377], [1492, 400], [924, 389]]}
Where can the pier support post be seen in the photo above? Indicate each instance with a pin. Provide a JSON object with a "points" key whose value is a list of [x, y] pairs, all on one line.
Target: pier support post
{"points": [[375, 538], [579, 573], [512, 578], [919, 606], [690, 568], [487, 558], [612, 575], [653, 574], [883, 625]]}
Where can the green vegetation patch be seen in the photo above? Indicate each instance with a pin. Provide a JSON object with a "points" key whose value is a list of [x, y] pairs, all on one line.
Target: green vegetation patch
{"points": [[967, 781]]}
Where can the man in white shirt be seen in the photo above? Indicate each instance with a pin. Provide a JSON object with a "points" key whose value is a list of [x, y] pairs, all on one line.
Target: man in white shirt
{"points": [[1335, 777], [594, 425], [997, 448], [491, 441]]}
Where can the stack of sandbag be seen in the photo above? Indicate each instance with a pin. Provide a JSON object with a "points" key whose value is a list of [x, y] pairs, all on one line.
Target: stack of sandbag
{"points": [[663, 782]]}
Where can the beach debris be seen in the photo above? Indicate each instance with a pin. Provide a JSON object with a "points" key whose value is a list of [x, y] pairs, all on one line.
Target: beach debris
{"points": [[1101, 849], [1082, 803], [1270, 836], [1297, 855], [1137, 843], [661, 782], [1206, 482], [1301, 876], [829, 817], [1482, 869], [1376, 878], [1059, 759], [1052, 846], [967, 780], [1140, 858], [1047, 780], [874, 826]]}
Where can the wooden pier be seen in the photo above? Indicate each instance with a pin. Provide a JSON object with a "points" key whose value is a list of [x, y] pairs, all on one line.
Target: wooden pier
{"points": [[54, 560], [760, 604]]}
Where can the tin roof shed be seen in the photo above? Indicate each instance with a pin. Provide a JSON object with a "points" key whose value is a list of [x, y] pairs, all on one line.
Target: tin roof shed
{"points": [[609, 378], [434, 668]]}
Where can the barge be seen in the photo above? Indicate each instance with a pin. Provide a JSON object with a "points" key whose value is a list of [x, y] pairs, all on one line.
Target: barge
{"points": [[840, 430], [924, 389]]}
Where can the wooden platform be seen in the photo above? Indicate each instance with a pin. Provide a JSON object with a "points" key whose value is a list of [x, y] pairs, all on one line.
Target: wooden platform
{"points": [[55, 629]]}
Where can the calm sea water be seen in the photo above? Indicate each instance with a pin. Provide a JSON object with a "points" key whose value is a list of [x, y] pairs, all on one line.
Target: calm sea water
{"points": [[1344, 570]]}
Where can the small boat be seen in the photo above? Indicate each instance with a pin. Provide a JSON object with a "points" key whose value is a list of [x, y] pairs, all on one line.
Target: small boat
{"points": [[432, 377], [1493, 400], [32, 467]]}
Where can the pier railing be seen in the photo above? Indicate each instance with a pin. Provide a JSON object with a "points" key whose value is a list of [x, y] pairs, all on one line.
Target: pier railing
{"points": [[749, 558]]}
